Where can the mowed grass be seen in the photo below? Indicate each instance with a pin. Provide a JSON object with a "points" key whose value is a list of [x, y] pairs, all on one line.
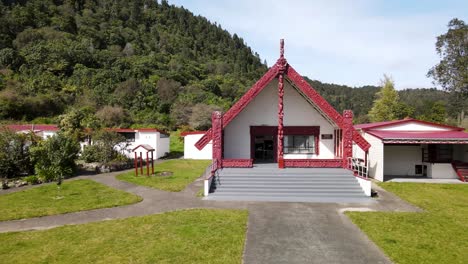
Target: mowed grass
{"points": [[438, 235], [192, 236], [73, 196], [184, 173]]}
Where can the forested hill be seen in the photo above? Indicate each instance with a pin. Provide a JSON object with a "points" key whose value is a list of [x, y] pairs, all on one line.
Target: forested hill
{"points": [[130, 62], [360, 100]]}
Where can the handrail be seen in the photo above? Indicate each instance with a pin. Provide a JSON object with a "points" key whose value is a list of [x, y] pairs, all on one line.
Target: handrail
{"points": [[359, 167]]}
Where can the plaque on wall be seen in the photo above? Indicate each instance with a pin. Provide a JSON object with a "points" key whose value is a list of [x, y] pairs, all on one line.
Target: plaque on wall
{"points": [[327, 136]]}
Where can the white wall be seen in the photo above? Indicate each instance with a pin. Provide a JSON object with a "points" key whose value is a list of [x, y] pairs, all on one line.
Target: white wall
{"points": [[401, 160], [412, 126], [441, 171], [263, 110], [161, 145], [191, 152], [376, 157]]}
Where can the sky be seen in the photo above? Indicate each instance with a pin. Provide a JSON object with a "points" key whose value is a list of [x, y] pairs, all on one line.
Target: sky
{"points": [[349, 42]]}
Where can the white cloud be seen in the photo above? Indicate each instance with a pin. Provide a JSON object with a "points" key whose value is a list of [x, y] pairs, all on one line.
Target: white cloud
{"points": [[346, 42]]}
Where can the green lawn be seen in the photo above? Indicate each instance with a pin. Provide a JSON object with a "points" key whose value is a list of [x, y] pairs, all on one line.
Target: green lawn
{"points": [[439, 235], [77, 195], [192, 236], [185, 172]]}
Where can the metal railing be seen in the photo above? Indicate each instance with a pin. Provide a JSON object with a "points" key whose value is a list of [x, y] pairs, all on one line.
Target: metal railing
{"points": [[359, 167]]}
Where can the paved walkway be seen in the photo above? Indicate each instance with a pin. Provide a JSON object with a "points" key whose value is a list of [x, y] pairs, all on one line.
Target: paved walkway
{"points": [[277, 232]]}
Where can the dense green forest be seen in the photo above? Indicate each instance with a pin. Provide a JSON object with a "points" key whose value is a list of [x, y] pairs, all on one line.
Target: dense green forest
{"points": [[140, 63]]}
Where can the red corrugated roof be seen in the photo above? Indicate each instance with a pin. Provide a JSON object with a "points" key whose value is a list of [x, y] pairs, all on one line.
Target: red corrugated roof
{"points": [[131, 130], [420, 135], [406, 120], [183, 134], [26, 127]]}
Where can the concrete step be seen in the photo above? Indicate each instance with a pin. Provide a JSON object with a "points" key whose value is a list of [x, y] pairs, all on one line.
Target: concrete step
{"points": [[285, 183], [310, 199], [300, 192], [273, 176], [289, 185], [349, 195]]}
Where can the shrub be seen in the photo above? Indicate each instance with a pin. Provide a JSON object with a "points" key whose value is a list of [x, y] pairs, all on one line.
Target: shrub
{"points": [[103, 148], [33, 179], [55, 157], [91, 153], [14, 153]]}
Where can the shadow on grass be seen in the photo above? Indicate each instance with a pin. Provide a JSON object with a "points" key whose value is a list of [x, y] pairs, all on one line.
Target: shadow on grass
{"points": [[173, 155]]}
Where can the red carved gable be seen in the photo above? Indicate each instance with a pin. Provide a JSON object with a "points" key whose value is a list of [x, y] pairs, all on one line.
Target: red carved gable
{"points": [[282, 66]]}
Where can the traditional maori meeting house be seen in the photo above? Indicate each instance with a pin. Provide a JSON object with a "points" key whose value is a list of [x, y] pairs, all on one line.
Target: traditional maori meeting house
{"points": [[282, 119]]}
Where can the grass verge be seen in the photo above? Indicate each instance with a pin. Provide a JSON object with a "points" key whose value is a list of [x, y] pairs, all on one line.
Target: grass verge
{"points": [[192, 236], [438, 235], [77, 195], [184, 172]]}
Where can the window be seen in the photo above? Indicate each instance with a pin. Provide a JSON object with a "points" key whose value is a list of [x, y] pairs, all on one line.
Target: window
{"points": [[299, 144], [129, 137], [438, 153]]}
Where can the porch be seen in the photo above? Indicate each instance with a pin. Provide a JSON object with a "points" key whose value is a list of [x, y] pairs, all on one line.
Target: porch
{"points": [[267, 182]]}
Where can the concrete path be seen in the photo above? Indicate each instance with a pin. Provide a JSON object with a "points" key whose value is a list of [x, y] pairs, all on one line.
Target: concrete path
{"points": [[277, 232]]}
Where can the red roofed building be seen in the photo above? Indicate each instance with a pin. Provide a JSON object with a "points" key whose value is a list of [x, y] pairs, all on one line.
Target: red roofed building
{"points": [[282, 119], [413, 147], [43, 131]]}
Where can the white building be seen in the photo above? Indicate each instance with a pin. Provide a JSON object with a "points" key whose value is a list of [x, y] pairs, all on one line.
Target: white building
{"points": [[157, 139], [43, 131], [409, 148], [190, 151]]}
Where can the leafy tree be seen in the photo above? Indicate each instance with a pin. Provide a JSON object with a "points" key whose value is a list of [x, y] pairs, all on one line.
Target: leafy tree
{"points": [[78, 123], [14, 153], [55, 157], [201, 116], [112, 116], [436, 112], [452, 71], [104, 147], [387, 106]]}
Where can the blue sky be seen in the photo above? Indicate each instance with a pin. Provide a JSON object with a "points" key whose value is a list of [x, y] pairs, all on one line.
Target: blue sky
{"points": [[352, 42]]}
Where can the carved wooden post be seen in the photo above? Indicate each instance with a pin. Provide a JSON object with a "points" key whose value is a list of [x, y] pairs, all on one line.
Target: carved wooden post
{"points": [[347, 137], [217, 136], [152, 163], [147, 163], [282, 67], [136, 164]]}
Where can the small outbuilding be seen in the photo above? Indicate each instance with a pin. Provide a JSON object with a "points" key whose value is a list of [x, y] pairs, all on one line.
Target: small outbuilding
{"points": [[411, 148]]}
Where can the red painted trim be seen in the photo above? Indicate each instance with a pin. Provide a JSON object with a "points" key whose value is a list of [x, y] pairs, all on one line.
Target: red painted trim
{"points": [[360, 141], [217, 128], [347, 139], [144, 146], [314, 96], [313, 163], [131, 130], [237, 163], [458, 171], [296, 79], [370, 126], [241, 104], [32, 127], [280, 117], [186, 133]]}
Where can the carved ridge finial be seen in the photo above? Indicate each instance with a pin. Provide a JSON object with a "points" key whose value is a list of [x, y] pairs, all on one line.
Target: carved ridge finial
{"points": [[281, 63], [281, 48]]}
